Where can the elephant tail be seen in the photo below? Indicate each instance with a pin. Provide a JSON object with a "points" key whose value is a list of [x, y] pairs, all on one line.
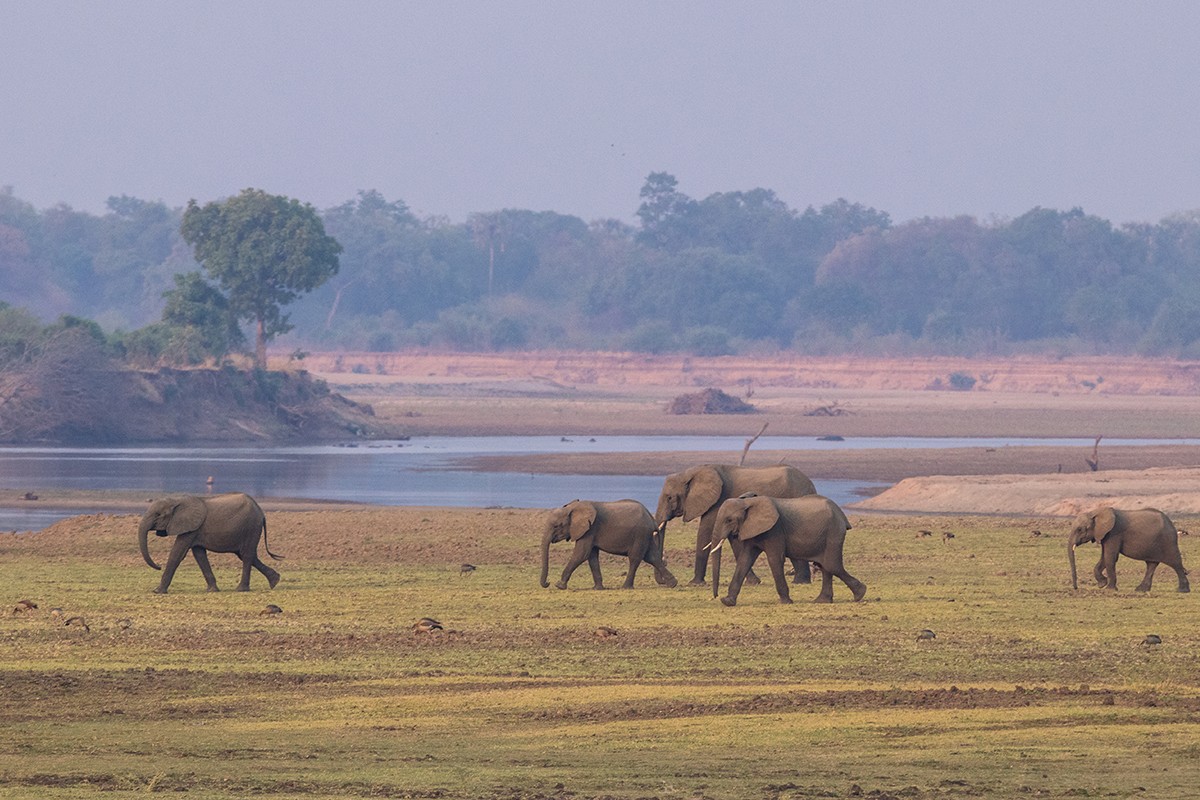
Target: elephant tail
{"points": [[266, 546]]}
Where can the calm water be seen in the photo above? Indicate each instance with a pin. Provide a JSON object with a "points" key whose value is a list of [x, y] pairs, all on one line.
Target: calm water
{"points": [[425, 471]]}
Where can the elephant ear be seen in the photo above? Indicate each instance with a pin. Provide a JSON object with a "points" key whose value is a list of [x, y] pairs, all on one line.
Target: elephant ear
{"points": [[1103, 521], [703, 491], [188, 516], [582, 516], [761, 516]]}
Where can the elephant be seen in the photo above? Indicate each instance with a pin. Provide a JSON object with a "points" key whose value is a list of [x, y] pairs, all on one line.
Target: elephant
{"points": [[699, 492], [812, 528], [623, 527], [226, 523], [1145, 534]]}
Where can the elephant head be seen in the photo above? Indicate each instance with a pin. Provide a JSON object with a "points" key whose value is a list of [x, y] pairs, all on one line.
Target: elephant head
{"points": [[688, 494], [572, 521], [170, 516], [745, 517], [1089, 526]]}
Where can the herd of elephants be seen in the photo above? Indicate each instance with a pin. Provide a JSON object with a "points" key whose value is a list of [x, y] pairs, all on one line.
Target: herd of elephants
{"points": [[773, 510]]}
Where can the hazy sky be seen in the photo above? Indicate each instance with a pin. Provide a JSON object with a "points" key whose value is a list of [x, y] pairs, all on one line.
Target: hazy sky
{"points": [[915, 108]]}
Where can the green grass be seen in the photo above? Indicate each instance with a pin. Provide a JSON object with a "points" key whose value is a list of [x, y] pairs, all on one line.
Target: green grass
{"points": [[1029, 689]]}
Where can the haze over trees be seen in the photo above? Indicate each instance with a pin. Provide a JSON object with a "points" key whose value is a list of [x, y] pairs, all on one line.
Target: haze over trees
{"points": [[736, 271]]}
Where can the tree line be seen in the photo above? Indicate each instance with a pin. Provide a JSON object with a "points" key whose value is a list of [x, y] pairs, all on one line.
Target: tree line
{"points": [[736, 271]]}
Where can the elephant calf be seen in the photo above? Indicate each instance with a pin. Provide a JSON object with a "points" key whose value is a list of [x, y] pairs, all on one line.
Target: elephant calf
{"points": [[226, 523], [1146, 534], [623, 527]]}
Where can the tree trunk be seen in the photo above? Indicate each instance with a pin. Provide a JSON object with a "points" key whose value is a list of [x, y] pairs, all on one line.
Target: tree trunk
{"points": [[260, 345]]}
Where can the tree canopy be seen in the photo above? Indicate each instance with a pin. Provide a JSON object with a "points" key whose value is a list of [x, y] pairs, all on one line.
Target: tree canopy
{"points": [[735, 271], [263, 251]]}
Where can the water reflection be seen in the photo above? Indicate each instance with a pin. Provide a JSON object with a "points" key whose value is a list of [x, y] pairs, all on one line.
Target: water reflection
{"points": [[424, 471]]}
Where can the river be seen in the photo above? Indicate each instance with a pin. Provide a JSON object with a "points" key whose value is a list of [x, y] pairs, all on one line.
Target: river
{"points": [[423, 471]]}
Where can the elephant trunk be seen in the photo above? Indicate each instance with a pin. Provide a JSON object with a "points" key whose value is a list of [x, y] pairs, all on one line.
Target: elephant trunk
{"points": [[1071, 560], [716, 566], [143, 530], [544, 580]]}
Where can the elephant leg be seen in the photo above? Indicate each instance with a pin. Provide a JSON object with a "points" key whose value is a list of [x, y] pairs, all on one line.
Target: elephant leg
{"points": [[582, 552], [201, 556], [856, 587], [271, 575], [1098, 572], [662, 575], [247, 565], [637, 551], [1148, 578], [593, 560], [745, 560], [826, 594], [1110, 566], [775, 562], [178, 550], [802, 573], [1184, 586]]}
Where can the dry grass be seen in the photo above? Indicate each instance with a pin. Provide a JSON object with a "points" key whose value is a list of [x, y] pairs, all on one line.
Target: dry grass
{"points": [[1029, 689]]}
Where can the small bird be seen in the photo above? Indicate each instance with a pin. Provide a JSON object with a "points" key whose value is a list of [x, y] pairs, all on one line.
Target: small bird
{"points": [[23, 606], [923, 533], [946, 537], [56, 613], [466, 569], [1035, 533], [1151, 639], [270, 609], [926, 635], [125, 623], [77, 621], [604, 632], [426, 625]]}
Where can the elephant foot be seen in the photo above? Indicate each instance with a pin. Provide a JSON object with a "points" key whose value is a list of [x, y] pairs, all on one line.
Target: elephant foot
{"points": [[823, 598], [697, 582], [672, 583], [753, 579], [729, 601], [798, 579], [1184, 588], [215, 589], [161, 590], [560, 585], [241, 588], [272, 580], [787, 601], [1142, 589], [859, 592]]}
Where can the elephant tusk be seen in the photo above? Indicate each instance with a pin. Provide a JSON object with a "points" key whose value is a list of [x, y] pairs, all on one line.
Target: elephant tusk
{"points": [[715, 547]]}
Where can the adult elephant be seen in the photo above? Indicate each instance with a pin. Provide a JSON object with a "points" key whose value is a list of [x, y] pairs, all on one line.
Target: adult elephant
{"points": [[623, 527], [226, 523], [811, 528], [1146, 534], [699, 492]]}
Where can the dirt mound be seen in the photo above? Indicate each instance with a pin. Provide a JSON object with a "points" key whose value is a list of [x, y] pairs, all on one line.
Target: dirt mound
{"points": [[709, 401], [76, 393], [1173, 490]]}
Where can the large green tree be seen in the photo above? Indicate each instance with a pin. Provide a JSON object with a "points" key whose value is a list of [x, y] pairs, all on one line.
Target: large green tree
{"points": [[263, 251]]}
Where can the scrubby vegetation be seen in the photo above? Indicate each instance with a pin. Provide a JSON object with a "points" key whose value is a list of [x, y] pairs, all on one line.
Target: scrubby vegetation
{"points": [[737, 271]]}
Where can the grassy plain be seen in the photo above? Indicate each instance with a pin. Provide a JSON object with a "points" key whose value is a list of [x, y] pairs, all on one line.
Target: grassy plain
{"points": [[1029, 689]]}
